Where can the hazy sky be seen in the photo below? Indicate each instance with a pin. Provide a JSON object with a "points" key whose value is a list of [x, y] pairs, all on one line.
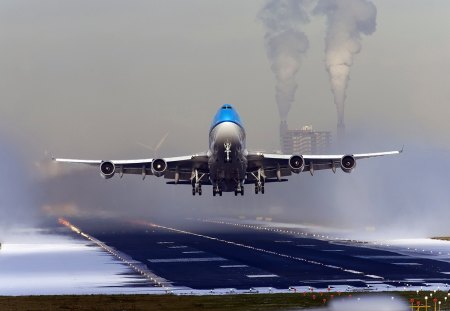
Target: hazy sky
{"points": [[91, 78], [86, 77]]}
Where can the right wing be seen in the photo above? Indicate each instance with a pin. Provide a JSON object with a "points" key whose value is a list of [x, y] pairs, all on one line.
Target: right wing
{"points": [[276, 166], [176, 168]]}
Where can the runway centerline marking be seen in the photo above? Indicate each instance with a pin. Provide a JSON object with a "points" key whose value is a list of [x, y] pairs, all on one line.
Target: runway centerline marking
{"points": [[313, 262]]}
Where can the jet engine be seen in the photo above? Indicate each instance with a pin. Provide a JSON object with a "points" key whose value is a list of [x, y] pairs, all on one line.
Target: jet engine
{"points": [[159, 166], [107, 169], [296, 163], [348, 163]]}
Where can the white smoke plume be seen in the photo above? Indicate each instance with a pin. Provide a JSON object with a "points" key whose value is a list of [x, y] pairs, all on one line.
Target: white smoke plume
{"points": [[346, 21], [285, 45]]}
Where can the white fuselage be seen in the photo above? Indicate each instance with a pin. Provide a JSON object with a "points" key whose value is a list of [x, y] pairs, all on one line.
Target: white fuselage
{"points": [[227, 156]]}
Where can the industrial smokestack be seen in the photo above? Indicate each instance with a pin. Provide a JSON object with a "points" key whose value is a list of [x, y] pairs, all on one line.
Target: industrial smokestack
{"points": [[285, 45], [283, 132], [346, 20]]}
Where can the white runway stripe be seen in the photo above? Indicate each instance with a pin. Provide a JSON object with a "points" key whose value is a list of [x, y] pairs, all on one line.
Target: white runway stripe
{"points": [[201, 259], [234, 266], [262, 276]]}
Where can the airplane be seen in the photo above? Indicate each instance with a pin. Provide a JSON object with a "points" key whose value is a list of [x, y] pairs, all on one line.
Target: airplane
{"points": [[227, 166]]}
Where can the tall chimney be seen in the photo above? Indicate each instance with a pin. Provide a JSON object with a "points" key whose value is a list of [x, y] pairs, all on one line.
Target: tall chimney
{"points": [[283, 131]]}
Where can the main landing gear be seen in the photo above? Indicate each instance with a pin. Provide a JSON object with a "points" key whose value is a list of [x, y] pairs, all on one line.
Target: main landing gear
{"points": [[239, 189], [217, 190], [196, 182], [259, 187], [197, 188], [259, 183]]}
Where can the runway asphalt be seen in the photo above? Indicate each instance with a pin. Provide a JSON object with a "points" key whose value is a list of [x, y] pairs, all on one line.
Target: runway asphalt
{"points": [[215, 254]]}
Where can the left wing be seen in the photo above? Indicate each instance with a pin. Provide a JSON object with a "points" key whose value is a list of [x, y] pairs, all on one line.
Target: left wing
{"points": [[176, 168], [276, 166]]}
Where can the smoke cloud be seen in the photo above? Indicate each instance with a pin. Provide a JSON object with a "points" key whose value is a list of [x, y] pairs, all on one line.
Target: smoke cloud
{"points": [[346, 21], [285, 45]]}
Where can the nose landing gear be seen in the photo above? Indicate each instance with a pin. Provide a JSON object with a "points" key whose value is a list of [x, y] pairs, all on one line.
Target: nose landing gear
{"points": [[227, 147]]}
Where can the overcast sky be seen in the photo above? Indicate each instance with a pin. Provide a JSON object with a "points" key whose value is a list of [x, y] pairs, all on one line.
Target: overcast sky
{"points": [[85, 78], [91, 79]]}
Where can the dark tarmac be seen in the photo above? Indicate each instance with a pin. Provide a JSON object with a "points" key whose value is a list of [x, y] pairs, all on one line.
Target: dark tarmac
{"points": [[203, 255]]}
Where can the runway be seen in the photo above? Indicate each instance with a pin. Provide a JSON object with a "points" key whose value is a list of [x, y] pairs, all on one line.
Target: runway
{"points": [[215, 254]]}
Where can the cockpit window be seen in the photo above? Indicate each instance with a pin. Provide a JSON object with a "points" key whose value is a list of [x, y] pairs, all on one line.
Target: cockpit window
{"points": [[226, 107]]}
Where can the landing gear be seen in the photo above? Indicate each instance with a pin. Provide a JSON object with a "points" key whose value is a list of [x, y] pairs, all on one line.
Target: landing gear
{"points": [[196, 182], [197, 188], [259, 183], [227, 149], [239, 189], [217, 190], [259, 187]]}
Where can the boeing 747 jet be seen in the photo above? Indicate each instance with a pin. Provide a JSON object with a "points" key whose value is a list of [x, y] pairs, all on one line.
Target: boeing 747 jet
{"points": [[227, 166]]}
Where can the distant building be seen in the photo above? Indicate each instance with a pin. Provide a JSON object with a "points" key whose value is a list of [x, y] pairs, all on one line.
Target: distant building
{"points": [[304, 140]]}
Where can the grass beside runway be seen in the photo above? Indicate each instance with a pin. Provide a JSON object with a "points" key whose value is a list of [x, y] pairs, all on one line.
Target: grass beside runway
{"points": [[159, 302], [173, 302]]}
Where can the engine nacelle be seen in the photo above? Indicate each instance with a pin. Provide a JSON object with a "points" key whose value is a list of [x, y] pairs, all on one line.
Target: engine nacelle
{"points": [[107, 169], [296, 163], [159, 166], [348, 163]]}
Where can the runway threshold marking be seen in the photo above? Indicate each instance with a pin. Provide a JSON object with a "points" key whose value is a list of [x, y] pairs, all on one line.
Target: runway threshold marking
{"points": [[313, 262]]}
